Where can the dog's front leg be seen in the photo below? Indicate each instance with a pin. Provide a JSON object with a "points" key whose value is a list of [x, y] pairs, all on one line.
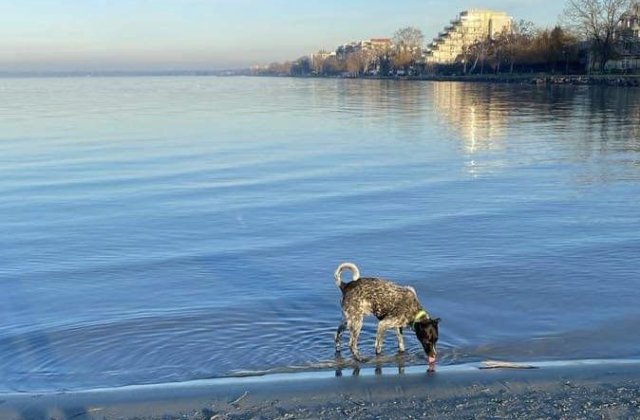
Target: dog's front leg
{"points": [[400, 339], [383, 326]]}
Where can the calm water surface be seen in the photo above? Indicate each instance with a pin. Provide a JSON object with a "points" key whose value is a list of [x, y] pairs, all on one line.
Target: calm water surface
{"points": [[168, 229]]}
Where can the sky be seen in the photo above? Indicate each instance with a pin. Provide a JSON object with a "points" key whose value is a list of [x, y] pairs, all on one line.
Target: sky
{"points": [[79, 35]]}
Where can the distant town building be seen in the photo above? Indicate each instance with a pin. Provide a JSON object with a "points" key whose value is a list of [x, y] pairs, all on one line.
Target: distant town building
{"points": [[370, 46], [379, 44], [629, 26], [628, 36], [468, 28], [366, 55], [321, 55]]}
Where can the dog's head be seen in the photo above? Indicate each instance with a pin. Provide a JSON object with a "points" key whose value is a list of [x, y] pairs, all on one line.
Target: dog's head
{"points": [[427, 332]]}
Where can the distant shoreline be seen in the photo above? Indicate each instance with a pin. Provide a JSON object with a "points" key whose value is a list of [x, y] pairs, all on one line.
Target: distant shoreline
{"points": [[550, 79], [123, 73], [606, 80], [528, 79], [630, 80]]}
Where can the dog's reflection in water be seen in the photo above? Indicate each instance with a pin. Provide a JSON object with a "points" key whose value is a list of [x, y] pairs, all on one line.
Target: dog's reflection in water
{"points": [[398, 360]]}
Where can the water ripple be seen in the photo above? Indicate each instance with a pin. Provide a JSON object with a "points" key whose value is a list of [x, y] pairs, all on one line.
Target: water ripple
{"points": [[169, 229]]}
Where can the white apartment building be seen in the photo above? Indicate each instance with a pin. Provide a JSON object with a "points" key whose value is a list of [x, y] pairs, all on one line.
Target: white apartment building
{"points": [[469, 27]]}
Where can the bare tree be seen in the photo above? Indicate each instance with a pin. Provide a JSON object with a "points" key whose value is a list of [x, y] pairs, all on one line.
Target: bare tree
{"points": [[383, 62], [408, 46], [332, 65], [357, 63], [562, 48], [301, 67], [596, 21], [515, 40], [317, 61], [409, 38], [466, 47], [478, 52], [402, 59]]}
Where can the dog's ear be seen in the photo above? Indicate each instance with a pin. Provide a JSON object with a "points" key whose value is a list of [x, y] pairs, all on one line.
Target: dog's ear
{"points": [[428, 321]]}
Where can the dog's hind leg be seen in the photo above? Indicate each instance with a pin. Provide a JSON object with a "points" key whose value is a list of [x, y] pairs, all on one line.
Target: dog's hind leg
{"points": [[355, 325], [400, 339], [338, 336]]}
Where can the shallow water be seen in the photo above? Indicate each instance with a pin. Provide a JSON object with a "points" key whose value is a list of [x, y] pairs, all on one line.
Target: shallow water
{"points": [[173, 229]]}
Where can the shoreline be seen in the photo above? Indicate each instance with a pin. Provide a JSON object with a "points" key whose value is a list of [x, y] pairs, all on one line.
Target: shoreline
{"points": [[551, 79], [617, 80], [606, 389], [621, 80]]}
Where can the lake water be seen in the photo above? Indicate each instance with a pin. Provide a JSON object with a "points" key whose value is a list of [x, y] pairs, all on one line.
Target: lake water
{"points": [[166, 229]]}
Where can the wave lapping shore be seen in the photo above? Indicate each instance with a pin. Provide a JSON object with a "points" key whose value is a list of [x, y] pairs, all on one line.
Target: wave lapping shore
{"points": [[554, 391]]}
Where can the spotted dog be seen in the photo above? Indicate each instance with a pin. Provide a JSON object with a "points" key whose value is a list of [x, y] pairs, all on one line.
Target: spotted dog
{"points": [[395, 307]]}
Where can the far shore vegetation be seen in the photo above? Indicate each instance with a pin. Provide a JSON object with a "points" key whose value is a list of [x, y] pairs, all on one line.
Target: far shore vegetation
{"points": [[595, 37]]}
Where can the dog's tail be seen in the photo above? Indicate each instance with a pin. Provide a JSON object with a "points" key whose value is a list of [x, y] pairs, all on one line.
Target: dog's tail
{"points": [[346, 266]]}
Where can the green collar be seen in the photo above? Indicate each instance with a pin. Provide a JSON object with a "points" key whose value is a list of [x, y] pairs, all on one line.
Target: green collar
{"points": [[419, 317]]}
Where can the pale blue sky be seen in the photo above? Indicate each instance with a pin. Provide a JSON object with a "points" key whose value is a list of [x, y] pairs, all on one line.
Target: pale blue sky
{"points": [[214, 34]]}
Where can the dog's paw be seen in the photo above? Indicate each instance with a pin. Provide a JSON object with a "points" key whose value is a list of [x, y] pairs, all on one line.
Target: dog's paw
{"points": [[359, 358]]}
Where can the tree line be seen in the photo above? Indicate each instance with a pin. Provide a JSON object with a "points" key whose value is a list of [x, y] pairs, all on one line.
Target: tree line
{"points": [[523, 48], [588, 37]]}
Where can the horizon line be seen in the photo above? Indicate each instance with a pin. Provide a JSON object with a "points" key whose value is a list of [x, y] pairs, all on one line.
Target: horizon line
{"points": [[143, 72]]}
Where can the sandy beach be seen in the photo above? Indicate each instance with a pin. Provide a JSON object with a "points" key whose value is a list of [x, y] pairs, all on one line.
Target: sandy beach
{"points": [[606, 389]]}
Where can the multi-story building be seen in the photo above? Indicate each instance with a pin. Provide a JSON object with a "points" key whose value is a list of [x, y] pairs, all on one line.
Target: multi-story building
{"points": [[322, 55], [367, 54], [628, 37], [468, 28], [629, 26], [373, 45], [379, 44]]}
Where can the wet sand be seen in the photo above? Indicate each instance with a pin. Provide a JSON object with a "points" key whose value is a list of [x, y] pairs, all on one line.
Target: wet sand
{"points": [[563, 390]]}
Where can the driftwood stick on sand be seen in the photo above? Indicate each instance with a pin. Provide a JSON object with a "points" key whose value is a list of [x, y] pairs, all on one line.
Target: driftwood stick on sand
{"points": [[497, 364], [240, 398]]}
